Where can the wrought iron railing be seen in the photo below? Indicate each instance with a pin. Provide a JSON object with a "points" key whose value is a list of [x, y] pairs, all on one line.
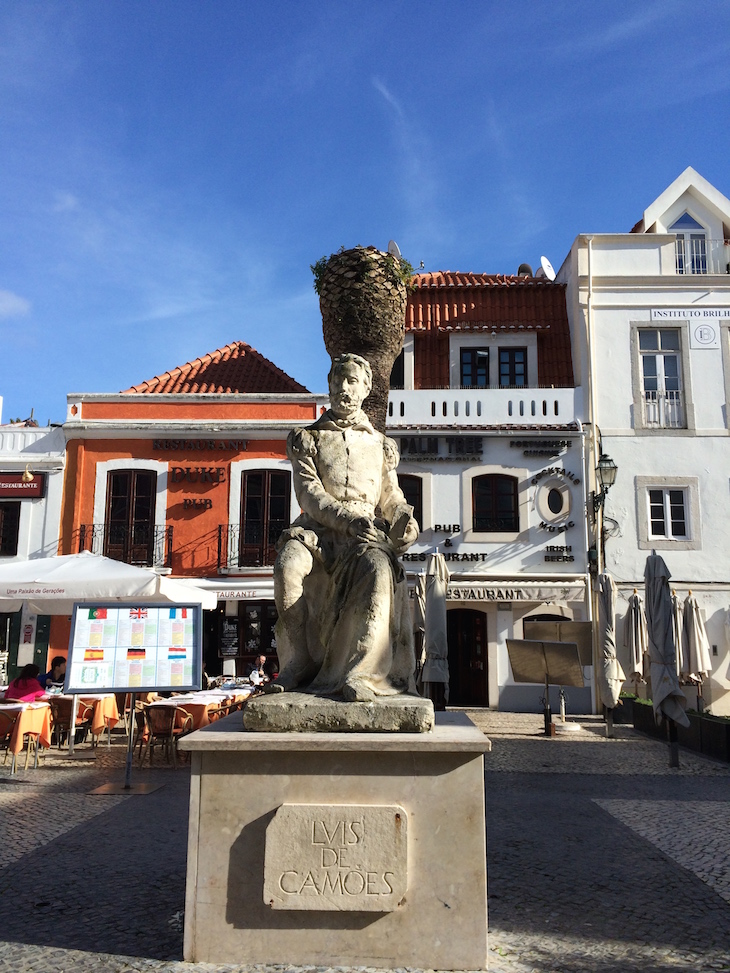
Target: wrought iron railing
{"points": [[146, 545], [253, 547]]}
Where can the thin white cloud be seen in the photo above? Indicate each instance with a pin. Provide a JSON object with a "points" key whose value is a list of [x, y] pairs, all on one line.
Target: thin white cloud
{"points": [[618, 33], [13, 306], [415, 171]]}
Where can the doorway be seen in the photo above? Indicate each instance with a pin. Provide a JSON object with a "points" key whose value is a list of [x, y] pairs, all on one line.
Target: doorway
{"points": [[467, 638]]}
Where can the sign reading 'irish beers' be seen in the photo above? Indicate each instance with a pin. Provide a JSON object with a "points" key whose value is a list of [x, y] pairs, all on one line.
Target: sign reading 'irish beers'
{"points": [[336, 857]]}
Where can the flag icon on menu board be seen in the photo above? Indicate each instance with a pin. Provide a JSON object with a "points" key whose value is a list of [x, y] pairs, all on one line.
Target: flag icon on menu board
{"points": [[173, 653], [135, 653], [97, 613], [93, 655], [174, 613], [138, 613]]}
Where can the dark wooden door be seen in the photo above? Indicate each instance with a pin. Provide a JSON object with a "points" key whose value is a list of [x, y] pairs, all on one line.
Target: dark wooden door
{"points": [[467, 636]]}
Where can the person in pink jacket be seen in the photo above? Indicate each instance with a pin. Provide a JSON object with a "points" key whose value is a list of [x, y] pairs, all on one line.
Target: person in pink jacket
{"points": [[25, 687]]}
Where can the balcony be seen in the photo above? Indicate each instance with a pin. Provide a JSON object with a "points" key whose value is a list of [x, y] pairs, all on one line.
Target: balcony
{"points": [[664, 410], [483, 407], [253, 548], [699, 255], [144, 545]]}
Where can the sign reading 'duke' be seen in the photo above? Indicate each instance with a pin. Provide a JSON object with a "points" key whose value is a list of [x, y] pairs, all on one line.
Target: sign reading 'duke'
{"points": [[336, 858]]}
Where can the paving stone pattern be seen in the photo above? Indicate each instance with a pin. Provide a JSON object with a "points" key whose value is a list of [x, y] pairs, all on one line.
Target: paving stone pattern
{"points": [[602, 859]]}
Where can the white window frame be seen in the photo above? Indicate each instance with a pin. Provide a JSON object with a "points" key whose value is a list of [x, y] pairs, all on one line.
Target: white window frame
{"points": [[689, 486], [641, 425], [493, 340], [119, 465], [685, 249], [469, 535]]}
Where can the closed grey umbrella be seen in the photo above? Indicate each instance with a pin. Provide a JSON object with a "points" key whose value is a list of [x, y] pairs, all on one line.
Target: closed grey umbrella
{"points": [[635, 637], [666, 695], [435, 672], [419, 624], [610, 673]]}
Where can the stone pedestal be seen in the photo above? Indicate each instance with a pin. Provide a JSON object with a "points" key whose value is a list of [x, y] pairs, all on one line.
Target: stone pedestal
{"points": [[371, 847]]}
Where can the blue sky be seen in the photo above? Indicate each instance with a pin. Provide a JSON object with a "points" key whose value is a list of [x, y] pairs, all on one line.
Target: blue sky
{"points": [[169, 169]]}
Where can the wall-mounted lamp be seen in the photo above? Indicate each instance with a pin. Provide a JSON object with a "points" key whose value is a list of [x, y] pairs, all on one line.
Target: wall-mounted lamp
{"points": [[27, 476], [606, 476]]}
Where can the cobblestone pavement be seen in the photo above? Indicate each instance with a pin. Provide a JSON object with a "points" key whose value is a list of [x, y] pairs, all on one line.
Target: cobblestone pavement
{"points": [[602, 859]]}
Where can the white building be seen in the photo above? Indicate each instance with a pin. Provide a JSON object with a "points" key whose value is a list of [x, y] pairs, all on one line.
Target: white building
{"points": [[32, 461], [650, 319], [488, 419]]}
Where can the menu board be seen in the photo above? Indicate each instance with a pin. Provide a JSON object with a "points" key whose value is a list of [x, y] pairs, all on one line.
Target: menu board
{"points": [[116, 647]]}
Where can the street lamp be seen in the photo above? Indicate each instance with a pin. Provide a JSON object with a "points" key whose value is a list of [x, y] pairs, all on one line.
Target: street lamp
{"points": [[606, 476]]}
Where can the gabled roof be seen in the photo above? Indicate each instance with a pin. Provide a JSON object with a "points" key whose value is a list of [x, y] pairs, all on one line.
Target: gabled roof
{"points": [[445, 301], [233, 368], [688, 181]]}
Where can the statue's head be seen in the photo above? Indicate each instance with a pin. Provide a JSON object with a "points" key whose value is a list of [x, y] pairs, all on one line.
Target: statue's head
{"points": [[350, 381]]}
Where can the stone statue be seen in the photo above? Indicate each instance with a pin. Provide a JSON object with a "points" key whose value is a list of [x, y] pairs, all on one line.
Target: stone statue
{"points": [[344, 628]]}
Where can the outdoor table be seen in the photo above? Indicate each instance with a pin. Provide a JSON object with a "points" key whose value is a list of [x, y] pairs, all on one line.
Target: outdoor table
{"points": [[106, 711], [34, 718]]}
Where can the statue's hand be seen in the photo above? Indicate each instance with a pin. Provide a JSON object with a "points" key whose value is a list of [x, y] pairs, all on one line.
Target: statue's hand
{"points": [[363, 529], [410, 536]]}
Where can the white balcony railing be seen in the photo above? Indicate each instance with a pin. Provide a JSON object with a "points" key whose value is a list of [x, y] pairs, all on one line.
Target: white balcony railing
{"points": [[483, 407], [664, 410], [699, 255]]}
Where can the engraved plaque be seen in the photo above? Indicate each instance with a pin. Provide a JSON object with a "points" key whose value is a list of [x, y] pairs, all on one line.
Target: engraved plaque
{"points": [[345, 857]]}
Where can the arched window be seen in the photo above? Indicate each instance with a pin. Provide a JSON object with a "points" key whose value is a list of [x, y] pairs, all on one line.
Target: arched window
{"points": [[494, 503], [691, 246], [265, 505], [412, 487]]}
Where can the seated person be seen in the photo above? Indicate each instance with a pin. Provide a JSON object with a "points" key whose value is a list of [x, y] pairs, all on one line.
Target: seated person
{"points": [[25, 687], [55, 675], [256, 671]]}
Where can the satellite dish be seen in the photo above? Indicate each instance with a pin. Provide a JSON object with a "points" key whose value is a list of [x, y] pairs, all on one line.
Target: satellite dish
{"points": [[547, 268], [394, 249]]}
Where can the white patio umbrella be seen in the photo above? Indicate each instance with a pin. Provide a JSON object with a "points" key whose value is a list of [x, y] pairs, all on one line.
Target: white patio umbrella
{"points": [[610, 673], [635, 637], [435, 672], [677, 627], [696, 658], [666, 695], [51, 585]]}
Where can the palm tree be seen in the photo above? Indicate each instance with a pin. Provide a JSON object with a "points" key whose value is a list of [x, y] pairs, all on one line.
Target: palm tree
{"points": [[362, 297]]}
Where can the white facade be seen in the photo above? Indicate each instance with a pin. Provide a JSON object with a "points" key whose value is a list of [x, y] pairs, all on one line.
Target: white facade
{"points": [[448, 439], [650, 323]]}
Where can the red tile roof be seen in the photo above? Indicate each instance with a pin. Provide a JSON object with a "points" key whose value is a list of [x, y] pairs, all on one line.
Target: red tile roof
{"points": [[446, 301], [233, 368]]}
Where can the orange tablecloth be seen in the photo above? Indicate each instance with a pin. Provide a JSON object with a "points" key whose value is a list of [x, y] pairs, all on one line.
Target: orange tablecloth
{"points": [[32, 718], [106, 712]]}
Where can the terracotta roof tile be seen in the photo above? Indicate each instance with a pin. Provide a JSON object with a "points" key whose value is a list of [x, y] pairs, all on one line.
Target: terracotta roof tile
{"points": [[446, 301], [233, 368]]}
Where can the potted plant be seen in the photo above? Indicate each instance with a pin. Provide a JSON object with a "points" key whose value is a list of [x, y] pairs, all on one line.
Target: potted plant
{"points": [[716, 736]]}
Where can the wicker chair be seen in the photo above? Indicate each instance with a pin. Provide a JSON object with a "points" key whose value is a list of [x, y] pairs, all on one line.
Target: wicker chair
{"points": [[7, 726], [61, 708], [164, 725]]}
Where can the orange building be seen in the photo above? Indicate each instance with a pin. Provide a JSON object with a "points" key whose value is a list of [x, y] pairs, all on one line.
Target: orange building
{"points": [[187, 474]]}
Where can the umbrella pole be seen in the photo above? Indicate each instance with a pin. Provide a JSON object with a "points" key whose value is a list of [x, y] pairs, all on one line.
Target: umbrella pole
{"points": [[700, 698], [130, 744], [546, 711], [609, 722]]}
